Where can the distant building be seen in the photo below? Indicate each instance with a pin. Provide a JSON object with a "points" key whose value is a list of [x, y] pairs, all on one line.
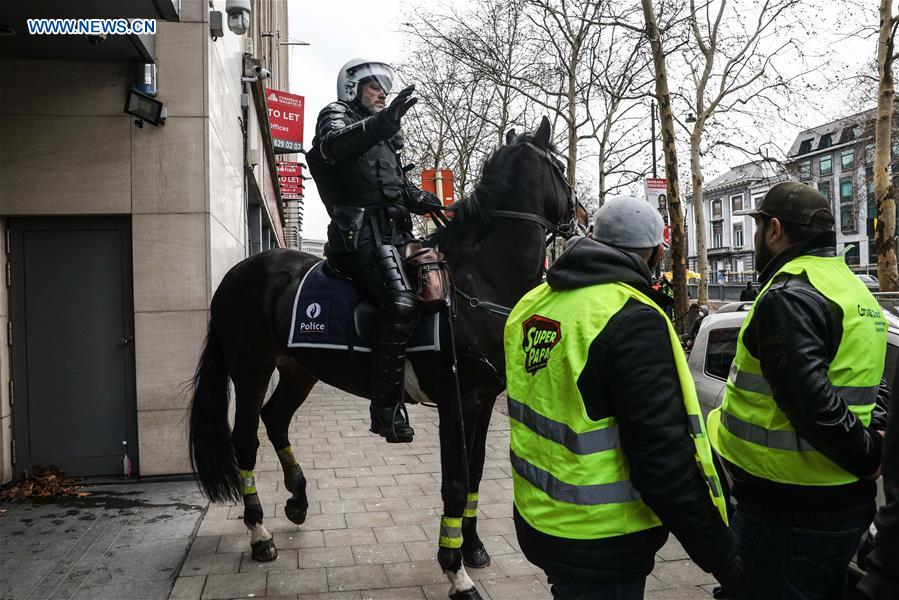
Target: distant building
{"points": [[316, 247], [837, 158], [729, 239]]}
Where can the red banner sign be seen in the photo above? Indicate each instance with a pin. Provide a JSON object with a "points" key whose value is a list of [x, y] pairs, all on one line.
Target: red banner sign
{"points": [[290, 178], [440, 183], [285, 116]]}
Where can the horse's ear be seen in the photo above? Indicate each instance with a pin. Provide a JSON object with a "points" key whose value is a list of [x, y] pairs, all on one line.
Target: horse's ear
{"points": [[510, 136], [541, 138]]}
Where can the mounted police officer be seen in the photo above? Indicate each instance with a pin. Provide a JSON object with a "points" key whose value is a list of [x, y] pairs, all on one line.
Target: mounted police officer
{"points": [[355, 162]]}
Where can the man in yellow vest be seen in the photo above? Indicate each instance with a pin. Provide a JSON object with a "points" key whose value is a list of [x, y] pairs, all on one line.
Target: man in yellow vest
{"points": [[793, 427], [608, 448]]}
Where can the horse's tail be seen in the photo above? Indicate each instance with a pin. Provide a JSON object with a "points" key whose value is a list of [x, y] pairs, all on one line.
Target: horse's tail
{"points": [[211, 450]]}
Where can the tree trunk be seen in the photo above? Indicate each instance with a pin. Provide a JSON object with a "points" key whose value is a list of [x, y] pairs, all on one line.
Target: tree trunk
{"points": [[702, 263], [572, 128], [676, 216], [885, 232]]}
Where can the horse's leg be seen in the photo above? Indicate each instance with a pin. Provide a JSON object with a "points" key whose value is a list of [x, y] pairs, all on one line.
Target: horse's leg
{"points": [[477, 423], [250, 390], [453, 489], [294, 386]]}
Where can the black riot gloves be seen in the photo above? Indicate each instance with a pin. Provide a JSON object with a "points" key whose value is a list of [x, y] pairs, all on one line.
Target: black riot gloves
{"points": [[386, 123], [424, 202]]}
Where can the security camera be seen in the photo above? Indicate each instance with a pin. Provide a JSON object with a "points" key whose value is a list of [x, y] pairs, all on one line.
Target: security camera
{"points": [[238, 15], [258, 73]]}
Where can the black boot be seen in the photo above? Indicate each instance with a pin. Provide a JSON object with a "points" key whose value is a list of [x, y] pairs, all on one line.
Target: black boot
{"points": [[392, 423]]}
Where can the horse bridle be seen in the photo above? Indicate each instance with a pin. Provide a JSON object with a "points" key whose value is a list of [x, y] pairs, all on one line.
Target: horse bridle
{"points": [[564, 230]]}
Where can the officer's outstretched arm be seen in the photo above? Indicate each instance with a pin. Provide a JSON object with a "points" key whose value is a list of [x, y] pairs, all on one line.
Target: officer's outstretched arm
{"points": [[339, 138]]}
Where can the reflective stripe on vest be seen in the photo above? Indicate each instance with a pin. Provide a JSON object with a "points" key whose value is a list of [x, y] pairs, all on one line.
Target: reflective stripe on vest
{"points": [[854, 396], [751, 431], [570, 476]]}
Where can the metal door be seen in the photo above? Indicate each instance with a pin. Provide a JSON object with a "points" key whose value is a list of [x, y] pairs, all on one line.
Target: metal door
{"points": [[71, 336]]}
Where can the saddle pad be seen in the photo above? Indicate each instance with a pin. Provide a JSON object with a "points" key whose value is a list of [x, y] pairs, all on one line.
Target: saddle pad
{"points": [[328, 310]]}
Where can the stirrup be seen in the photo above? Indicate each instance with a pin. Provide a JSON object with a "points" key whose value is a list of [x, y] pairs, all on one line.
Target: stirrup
{"points": [[389, 432]]}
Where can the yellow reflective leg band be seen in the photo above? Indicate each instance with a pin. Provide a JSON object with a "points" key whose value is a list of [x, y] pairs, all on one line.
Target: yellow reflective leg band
{"points": [[247, 482], [286, 456], [471, 509], [450, 532]]}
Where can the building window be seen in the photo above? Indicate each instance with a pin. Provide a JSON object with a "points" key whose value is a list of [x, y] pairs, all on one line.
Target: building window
{"points": [[847, 159], [824, 187], [847, 207], [738, 236], [716, 235], [736, 202], [716, 208], [825, 164], [805, 169], [805, 146]]}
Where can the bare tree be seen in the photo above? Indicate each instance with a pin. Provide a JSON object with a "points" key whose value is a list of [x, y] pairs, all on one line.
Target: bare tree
{"points": [[885, 232], [732, 58], [669, 149]]}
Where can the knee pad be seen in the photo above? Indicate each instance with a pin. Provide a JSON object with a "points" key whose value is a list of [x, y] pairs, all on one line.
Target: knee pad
{"points": [[399, 315]]}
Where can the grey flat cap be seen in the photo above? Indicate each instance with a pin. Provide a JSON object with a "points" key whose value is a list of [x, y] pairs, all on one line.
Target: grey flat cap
{"points": [[628, 222]]}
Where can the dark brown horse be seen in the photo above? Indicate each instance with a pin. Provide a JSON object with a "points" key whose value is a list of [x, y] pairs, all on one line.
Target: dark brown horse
{"points": [[495, 246]]}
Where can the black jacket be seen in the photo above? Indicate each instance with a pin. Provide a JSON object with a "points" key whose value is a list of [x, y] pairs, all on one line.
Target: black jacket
{"points": [[795, 333], [630, 374]]}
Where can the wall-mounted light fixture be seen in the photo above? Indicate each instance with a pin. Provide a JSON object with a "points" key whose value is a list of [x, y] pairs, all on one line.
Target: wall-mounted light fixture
{"points": [[216, 24], [144, 108]]}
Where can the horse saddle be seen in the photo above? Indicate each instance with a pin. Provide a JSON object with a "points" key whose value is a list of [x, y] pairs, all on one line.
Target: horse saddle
{"points": [[330, 313]]}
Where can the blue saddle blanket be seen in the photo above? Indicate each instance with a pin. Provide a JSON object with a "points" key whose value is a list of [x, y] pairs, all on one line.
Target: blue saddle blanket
{"points": [[328, 313]]}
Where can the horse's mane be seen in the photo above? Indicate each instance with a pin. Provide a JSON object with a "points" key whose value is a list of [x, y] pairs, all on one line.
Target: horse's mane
{"points": [[471, 215]]}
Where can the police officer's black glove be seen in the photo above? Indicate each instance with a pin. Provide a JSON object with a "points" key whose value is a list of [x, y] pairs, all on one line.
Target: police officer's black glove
{"points": [[731, 580], [386, 123], [424, 202]]}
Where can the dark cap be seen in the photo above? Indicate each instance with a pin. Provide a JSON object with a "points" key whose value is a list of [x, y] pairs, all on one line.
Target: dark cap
{"points": [[796, 203]]}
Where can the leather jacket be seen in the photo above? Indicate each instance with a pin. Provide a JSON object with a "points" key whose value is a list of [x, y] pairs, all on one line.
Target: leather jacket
{"points": [[355, 162], [795, 333]]}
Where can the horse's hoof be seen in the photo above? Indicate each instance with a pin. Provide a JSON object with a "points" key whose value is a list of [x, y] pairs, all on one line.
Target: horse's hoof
{"points": [[295, 510], [264, 551], [476, 558], [469, 594]]}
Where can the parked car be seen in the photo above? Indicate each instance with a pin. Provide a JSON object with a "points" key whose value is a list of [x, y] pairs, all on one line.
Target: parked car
{"points": [[713, 351], [870, 281]]}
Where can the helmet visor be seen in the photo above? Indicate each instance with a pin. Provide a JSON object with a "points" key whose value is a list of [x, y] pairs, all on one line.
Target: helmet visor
{"points": [[381, 74]]}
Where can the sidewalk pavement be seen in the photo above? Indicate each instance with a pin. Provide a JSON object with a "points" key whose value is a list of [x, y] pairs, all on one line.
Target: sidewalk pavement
{"points": [[121, 541], [374, 511]]}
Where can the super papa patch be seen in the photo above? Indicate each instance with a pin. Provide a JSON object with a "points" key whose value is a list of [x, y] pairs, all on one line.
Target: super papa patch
{"points": [[540, 336]]}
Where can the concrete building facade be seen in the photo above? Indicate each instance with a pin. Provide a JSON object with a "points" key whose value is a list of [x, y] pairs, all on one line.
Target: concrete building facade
{"points": [[117, 235]]}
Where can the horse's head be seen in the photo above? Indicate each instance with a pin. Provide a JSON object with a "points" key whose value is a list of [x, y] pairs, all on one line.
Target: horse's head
{"points": [[539, 180]]}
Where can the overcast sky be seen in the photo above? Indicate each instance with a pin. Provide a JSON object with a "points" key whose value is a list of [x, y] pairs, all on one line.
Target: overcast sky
{"points": [[339, 30]]}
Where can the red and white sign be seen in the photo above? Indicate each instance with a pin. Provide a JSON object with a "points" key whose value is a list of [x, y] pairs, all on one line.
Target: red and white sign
{"points": [[290, 179], [440, 183], [285, 117]]}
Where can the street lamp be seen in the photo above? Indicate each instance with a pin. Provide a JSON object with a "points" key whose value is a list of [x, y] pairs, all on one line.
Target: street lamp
{"points": [[691, 118]]}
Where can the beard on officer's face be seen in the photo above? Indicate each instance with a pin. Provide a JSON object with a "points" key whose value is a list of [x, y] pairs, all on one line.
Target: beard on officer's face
{"points": [[763, 253], [369, 102]]}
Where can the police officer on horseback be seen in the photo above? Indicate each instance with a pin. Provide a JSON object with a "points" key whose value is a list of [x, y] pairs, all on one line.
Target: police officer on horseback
{"points": [[355, 162]]}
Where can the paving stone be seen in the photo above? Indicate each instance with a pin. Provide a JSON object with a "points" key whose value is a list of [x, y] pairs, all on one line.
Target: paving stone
{"points": [[417, 572], [399, 533], [515, 564], [188, 588], [338, 506], [296, 581], [325, 521], [234, 585], [440, 591], [331, 556], [516, 588], [407, 593], [204, 564], [299, 539], [417, 516], [349, 537], [672, 550], [380, 554], [331, 596], [369, 519], [366, 493], [677, 593], [360, 577], [386, 504], [682, 572]]}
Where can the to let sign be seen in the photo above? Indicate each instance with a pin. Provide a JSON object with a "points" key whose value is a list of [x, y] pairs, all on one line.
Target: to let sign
{"points": [[290, 178], [440, 183], [285, 117]]}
